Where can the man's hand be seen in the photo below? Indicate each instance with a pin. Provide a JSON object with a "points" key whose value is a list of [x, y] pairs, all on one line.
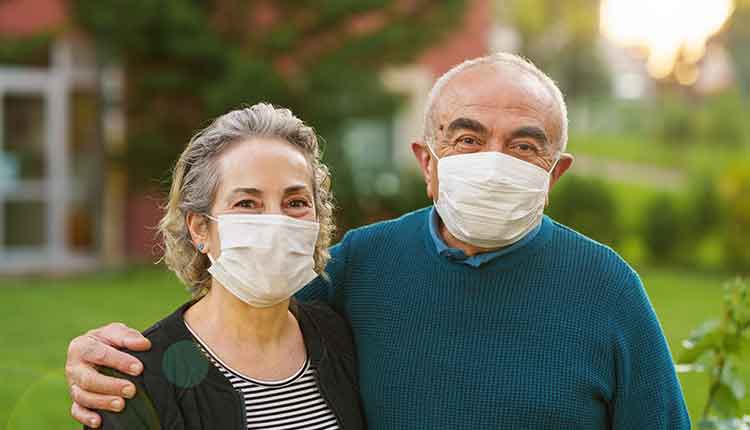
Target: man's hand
{"points": [[88, 388]]}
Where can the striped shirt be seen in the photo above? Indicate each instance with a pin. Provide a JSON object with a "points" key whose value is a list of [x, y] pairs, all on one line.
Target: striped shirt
{"points": [[292, 403]]}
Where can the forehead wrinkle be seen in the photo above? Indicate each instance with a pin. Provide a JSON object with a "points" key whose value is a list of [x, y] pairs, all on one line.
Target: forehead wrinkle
{"points": [[534, 97]]}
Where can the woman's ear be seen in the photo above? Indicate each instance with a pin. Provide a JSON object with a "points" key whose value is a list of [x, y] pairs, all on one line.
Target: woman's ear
{"points": [[198, 228]]}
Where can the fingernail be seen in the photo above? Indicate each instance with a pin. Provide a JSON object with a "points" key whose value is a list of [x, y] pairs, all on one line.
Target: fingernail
{"points": [[117, 404], [128, 391], [93, 422], [135, 368]]}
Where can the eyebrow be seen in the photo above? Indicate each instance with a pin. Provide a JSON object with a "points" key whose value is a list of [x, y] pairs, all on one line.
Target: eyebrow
{"points": [[467, 124], [532, 132], [258, 193], [295, 189], [242, 190]]}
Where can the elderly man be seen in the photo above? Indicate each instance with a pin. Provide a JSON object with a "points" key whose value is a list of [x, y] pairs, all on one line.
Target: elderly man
{"points": [[478, 312]]}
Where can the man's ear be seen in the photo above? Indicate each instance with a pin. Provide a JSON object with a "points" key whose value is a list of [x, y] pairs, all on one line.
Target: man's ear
{"points": [[566, 160], [424, 159], [198, 229]]}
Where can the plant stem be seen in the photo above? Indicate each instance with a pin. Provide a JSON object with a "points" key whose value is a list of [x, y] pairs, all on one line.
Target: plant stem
{"points": [[715, 383]]}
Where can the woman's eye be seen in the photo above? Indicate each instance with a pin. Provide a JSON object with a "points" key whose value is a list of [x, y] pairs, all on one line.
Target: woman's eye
{"points": [[247, 204], [299, 203]]}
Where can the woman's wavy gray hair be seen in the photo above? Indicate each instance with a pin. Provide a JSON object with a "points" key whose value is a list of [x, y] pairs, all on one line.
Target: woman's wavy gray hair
{"points": [[196, 177]]}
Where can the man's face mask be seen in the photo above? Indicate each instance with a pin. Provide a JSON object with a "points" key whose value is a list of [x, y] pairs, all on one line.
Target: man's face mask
{"points": [[490, 199]]}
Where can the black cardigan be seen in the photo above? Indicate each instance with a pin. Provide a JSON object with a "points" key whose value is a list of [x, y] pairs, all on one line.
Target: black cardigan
{"points": [[180, 389]]}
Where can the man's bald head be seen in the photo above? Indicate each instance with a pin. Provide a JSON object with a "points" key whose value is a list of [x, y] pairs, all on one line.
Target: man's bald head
{"points": [[503, 62]]}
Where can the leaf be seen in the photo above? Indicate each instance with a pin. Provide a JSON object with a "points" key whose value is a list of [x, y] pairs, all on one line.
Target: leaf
{"points": [[733, 342], [722, 424], [725, 403], [731, 379], [707, 424], [703, 339], [690, 368]]}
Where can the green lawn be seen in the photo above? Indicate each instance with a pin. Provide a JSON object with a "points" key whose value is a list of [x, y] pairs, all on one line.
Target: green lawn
{"points": [[39, 317], [648, 150]]}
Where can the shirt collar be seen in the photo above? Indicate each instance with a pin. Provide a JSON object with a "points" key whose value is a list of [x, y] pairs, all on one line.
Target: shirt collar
{"points": [[477, 260]]}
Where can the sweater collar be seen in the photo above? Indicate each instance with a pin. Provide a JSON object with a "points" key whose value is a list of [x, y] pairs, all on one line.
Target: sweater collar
{"points": [[474, 260], [504, 258], [176, 331]]}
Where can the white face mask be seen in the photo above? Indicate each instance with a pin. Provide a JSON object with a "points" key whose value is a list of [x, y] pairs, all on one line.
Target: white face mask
{"points": [[490, 199], [264, 259]]}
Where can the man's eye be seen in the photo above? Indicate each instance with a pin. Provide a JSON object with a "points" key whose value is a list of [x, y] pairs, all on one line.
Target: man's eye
{"points": [[467, 140], [525, 147]]}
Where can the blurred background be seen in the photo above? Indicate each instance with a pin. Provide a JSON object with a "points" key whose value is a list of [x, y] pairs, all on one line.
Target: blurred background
{"points": [[97, 99]]}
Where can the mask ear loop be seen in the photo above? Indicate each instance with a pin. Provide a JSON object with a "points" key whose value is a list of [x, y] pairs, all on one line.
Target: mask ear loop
{"points": [[437, 160], [216, 220], [546, 195], [429, 148], [554, 165]]}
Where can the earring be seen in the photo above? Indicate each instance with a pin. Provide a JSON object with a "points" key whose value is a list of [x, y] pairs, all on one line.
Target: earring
{"points": [[200, 247]]}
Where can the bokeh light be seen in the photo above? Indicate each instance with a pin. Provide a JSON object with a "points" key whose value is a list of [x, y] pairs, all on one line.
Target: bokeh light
{"points": [[671, 31]]}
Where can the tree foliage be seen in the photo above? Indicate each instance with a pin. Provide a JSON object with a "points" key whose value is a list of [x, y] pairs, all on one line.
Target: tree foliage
{"points": [[561, 38], [188, 60]]}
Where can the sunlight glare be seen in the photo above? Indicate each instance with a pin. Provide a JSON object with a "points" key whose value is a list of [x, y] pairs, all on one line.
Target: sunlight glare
{"points": [[668, 29]]}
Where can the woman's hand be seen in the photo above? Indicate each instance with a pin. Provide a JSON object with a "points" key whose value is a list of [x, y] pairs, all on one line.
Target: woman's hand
{"points": [[88, 388]]}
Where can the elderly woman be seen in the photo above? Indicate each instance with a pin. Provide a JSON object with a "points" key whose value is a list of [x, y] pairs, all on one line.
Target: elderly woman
{"points": [[248, 224]]}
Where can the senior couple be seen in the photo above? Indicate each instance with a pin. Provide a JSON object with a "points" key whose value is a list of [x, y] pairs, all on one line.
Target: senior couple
{"points": [[478, 312]]}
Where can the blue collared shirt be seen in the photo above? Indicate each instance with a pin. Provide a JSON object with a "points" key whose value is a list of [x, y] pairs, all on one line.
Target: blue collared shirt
{"points": [[474, 260]]}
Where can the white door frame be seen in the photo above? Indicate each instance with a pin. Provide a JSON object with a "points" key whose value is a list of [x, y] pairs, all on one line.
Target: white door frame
{"points": [[54, 85]]}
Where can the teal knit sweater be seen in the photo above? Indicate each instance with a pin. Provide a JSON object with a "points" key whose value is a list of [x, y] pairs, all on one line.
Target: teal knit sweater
{"points": [[558, 334]]}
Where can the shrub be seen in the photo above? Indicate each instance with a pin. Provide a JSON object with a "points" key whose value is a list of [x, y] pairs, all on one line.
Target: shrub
{"points": [[587, 205], [734, 188], [717, 348], [662, 228], [677, 124], [704, 206]]}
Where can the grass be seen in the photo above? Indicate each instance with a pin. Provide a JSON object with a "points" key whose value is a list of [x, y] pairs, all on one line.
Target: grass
{"points": [[648, 150], [40, 316]]}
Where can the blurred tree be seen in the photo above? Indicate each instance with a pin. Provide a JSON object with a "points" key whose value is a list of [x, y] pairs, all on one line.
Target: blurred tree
{"points": [[561, 38], [678, 125], [738, 39], [716, 120], [28, 50], [188, 60]]}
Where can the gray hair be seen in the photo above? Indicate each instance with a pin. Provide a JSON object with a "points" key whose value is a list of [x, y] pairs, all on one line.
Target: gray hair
{"points": [[196, 178], [503, 59]]}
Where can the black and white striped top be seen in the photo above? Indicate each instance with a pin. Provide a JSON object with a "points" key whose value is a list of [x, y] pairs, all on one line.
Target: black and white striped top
{"points": [[288, 404]]}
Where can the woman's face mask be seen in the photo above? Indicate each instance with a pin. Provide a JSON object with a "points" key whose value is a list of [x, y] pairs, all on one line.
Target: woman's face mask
{"points": [[263, 237], [265, 259]]}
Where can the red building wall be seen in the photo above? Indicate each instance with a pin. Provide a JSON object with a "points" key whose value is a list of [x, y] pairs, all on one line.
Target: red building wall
{"points": [[470, 40]]}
